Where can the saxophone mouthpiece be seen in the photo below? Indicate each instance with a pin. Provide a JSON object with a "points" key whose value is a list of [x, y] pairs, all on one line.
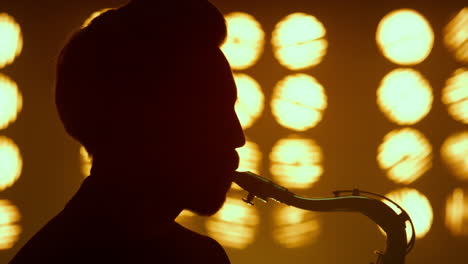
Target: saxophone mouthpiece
{"points": [[259, 187]]}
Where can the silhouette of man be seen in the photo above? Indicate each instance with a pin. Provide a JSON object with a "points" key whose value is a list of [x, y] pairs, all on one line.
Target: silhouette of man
{"points": [[147, 91]]}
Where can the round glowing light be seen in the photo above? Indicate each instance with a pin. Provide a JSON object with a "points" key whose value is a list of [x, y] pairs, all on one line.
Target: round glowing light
{"points": [[250, 100], [11, 101], [455, 95], [86, 162], [418, 208], [11, 40], [405, 155], [299, 41], [245, 40], [454, 152], [405, 37], [295, 227], [298, 102], [404, 96], [250, 159], [9, 229], [93, 16], [296, 162], [234, 225], [456, 212], [11, 163], [456, 35]]}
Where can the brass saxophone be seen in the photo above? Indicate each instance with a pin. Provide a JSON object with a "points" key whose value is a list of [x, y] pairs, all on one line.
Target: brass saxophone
{"points": [[382, 214]]}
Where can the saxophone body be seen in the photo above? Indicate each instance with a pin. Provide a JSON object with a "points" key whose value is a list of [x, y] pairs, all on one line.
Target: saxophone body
{"points": [[382, 214]]}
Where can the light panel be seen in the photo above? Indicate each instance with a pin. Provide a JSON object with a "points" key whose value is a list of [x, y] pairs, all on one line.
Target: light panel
{"points": [[455, 95], [405, 37], [454, 152], [9, 227], [250, 100], [298, 102], [456, 35], [404, 96], [299, 41], [11, 101], [11, 40], [456, 213], [11, 163], [244, 42]]}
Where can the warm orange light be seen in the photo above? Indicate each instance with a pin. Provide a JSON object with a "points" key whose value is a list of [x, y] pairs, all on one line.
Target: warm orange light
{"points": [[11, 40], [9, 229], [234, 225], [295, 227], [454, 152], [299, 41], [11, 101], [404, 96], [245, 40], [299, 101], [11, 163], [296, 162], [456, 35], [405, 155], [456, 212], [418, 208], [93, 16], [455, 95], [250, 100], [250, 159], [405, 37], [86, 162]]}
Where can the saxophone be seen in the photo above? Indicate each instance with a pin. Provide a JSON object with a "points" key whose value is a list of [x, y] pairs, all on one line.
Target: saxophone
{"points": [[382, 214]]}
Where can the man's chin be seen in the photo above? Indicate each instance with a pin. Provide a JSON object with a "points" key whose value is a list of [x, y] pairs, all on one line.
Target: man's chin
{"points": [[208, 208]]}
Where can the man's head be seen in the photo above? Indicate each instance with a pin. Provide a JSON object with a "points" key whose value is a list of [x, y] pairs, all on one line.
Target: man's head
{"points": [[149, 83]]}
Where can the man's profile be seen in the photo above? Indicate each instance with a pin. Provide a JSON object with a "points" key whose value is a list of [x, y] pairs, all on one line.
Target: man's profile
{"points": [[147, 91]]}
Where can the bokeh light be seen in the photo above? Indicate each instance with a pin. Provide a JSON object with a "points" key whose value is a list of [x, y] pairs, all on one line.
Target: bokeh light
{"points": [[11, 163], [455, 95], [299, 41], [456, 35], [405, 37], [456, 212], [298, 102], [244, 42], [93, 16], [405, 155], [418, 208], [11, 40], [234, 225], [295, 227], [296, 162], [454, 152], [86, 161], [404, 96], [9, 229], [250, 100], [11, 101]]}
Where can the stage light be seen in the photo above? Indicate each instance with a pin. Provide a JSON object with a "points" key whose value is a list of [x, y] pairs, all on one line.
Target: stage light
{"points": [[234, 225], [418, 208], [250, 100], [11, 40], [295, 227], [454, 152], [93, 16], [405, 155], [299, 41], [86, 162], [11, 101], [405, 37], [244, 42], [404, 96], [9, 229], [250, 159], [298, 102], [456, 212], [296, 162], [11, 163], [456, 35], [455, 95]]}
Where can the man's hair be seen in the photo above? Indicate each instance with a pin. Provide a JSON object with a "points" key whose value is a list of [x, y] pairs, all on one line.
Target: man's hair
{"points": [[127, 55]]}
